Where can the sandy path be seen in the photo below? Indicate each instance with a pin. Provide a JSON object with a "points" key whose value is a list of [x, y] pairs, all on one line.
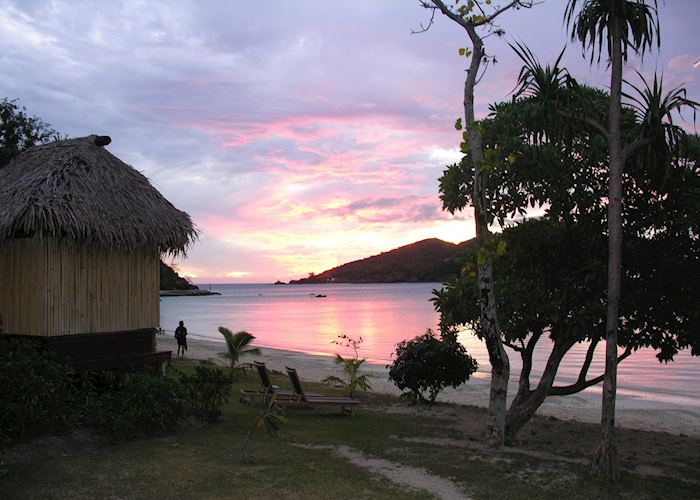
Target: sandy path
{"points": [[583, 407], [402, 475]]}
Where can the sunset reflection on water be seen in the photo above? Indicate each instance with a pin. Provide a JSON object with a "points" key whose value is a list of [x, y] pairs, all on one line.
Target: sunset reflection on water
{"points": [[293, 317]]}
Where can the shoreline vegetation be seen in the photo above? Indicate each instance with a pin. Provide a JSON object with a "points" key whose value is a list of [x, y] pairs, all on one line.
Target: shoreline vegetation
{"points": [[390, 449], [632, 412]]}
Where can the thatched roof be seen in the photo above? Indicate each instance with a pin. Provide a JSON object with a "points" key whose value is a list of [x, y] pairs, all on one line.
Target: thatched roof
{"points": [[78, 190]]}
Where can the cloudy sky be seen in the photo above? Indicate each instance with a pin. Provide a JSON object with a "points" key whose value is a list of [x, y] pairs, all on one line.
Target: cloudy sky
{"points": [[298, 135]]}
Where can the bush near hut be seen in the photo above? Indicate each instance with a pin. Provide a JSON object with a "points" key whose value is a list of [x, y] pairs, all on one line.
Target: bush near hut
{"points": [[208, 390], [125, 406], [429, 364], [41, 395], [145, 404]]}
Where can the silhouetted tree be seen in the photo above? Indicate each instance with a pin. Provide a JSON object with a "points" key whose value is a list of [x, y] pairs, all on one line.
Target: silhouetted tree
{"points": [[19, 130]]}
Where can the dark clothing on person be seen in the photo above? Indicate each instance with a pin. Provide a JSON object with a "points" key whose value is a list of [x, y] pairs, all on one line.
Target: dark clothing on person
{"points": [[181, 337], [181, 334]]}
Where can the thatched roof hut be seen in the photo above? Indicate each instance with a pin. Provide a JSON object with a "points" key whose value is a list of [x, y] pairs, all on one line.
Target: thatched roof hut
{"points": [[77, 190], [81, 234]]}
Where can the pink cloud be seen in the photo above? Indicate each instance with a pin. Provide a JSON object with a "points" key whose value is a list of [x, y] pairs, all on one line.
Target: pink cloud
{"points": [[683, 62], [313, 126], [404, 209], [216, 226]]}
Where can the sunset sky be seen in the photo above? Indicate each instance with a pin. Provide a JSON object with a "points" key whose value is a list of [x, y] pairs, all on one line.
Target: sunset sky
{"points": [[298, 135]]}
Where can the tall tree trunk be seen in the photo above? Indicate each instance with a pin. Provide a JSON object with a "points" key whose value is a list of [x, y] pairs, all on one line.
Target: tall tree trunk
{"points": [[605, 463], [500, 365]]}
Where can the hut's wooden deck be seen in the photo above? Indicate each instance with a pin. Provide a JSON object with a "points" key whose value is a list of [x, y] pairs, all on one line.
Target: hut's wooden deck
{"points": [[113, 350]]}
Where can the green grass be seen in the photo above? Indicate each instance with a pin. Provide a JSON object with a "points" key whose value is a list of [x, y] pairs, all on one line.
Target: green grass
{"points": [[208, 462]]}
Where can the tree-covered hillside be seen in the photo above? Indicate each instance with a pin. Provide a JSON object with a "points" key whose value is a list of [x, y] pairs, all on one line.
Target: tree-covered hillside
{"points": [[431, 260]]}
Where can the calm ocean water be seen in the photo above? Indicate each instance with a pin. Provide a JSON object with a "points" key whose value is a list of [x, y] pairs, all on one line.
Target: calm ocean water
{"points": [[291, 317]]}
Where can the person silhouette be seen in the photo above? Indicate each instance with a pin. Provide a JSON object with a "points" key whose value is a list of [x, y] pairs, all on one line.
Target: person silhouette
{"points": [[181, 337]]}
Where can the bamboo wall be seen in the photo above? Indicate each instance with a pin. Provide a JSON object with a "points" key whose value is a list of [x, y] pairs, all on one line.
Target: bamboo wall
{"points": [[50, 287]]}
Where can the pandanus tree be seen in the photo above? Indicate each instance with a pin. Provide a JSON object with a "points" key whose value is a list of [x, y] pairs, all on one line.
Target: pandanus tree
{"points": [[477, 18], [616, 26]]}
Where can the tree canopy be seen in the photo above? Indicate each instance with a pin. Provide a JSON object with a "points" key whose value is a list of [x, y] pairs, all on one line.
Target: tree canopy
{"points": [[549, 271], [19, 130]]}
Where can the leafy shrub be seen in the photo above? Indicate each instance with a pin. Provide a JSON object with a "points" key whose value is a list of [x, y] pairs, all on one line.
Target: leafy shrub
{"points": [[208, 389], [429, 364], [140, 404], [124, 406], [38, 394], [41, 395]]}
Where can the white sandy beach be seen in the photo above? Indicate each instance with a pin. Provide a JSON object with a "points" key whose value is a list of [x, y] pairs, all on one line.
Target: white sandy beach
{"points": [[584, 407]]}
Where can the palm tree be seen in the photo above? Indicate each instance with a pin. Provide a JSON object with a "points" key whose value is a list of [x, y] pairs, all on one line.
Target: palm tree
{"points": [[621, 24], [654, 110], [616, 25], [354, 381], [237, 344]]}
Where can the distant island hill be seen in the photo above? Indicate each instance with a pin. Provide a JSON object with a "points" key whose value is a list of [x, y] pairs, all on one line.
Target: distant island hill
{"points": [[174, 285], [425, 261]]}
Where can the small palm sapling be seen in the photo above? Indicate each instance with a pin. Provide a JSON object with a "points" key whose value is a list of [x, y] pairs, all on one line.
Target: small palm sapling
{"points": [[353, 382]]}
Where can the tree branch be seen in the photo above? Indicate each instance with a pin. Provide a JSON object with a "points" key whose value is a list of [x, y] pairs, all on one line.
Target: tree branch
{"points": [[487, 19], [587, 361], [635, 145], [590, 121], [490, 18], [526, 356], [513, 346], [581, 385], [449, 13], [423, 29]]}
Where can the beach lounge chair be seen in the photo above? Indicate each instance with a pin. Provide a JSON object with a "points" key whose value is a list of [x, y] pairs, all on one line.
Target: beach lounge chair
{"points": [[314, 400], [266, 389], [266, 386]]}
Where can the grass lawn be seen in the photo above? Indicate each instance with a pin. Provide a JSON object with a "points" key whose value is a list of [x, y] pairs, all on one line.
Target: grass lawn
{"points": [[207, 461]]}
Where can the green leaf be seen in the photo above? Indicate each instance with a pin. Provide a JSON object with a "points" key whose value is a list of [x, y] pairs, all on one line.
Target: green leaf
{"points": [[501, 248], [462, 51], [458, 124], [482, 255]]}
